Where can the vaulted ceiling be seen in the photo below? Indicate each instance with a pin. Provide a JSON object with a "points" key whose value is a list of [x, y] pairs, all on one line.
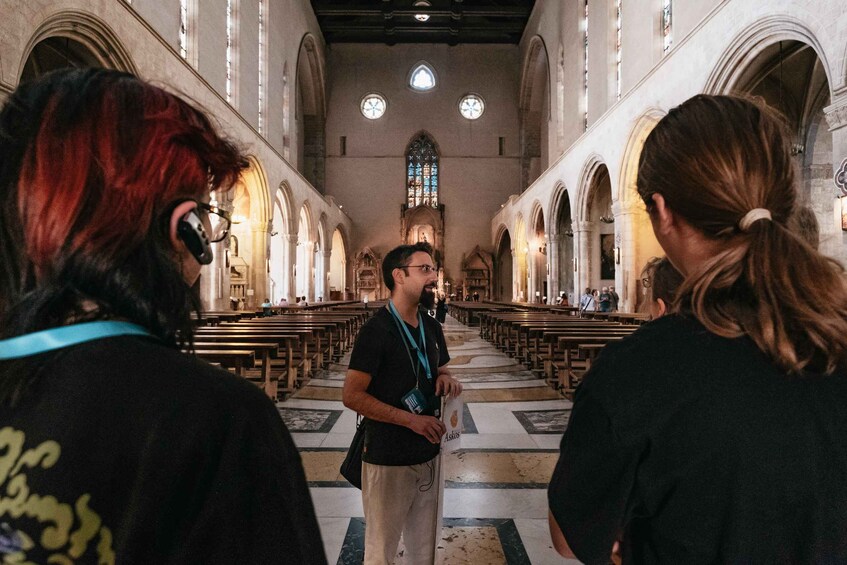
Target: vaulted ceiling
{"points": [[422, 21]]}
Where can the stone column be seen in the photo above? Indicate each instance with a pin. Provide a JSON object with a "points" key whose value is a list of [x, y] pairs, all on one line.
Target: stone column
{"points": [[260, 235], [628, 270], [515, 275], [553, 242], [325, 274], [836, 117], [310, 271], [583, 232], [291, 241]]}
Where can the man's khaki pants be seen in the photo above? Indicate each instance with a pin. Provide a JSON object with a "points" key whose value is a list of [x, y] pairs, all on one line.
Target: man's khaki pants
{"points": [[400, 500]]}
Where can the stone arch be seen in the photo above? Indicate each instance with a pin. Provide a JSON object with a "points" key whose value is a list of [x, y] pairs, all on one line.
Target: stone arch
{"points": [[595, 225], [534, 106], [503, 280], [749, 44], [537, 257], [337, 276], [86, 30], [304, 253], [282, 236], [250, 240], [310, 111], [781, 61], [638, 244], [561, 244]]}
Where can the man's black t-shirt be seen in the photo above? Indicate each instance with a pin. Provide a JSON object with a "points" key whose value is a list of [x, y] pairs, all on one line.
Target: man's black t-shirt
{"points": [[130, 452], [693, 448], [380, 352]]}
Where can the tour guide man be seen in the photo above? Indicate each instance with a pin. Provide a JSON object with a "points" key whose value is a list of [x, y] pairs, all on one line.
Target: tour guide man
{"points": [[397, 370]]}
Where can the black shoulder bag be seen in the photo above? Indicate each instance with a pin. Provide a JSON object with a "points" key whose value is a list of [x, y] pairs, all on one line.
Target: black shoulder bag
{"points": [[351, 467]]}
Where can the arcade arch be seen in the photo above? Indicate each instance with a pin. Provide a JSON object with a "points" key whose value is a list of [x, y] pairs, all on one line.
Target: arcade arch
{"points": [[537, 258], [305, 248], [561, 246], [521, 272], [281, 238], [534, 112], [337, 275], [597, 241], [310, 108], [504, 285]]}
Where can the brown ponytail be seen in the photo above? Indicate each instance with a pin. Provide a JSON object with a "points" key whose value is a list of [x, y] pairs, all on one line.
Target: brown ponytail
{"points": [[714, 159]]}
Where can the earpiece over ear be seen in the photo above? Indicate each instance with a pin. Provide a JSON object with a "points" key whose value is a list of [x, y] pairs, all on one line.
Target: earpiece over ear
{"points": [[191, 231]]}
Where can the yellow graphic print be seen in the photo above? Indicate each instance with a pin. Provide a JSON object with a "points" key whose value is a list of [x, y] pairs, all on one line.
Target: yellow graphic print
{"points": [[67, 529]]}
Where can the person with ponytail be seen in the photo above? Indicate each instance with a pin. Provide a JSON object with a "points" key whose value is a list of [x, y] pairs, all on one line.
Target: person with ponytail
{"points": [[116, 447], [718, 432]]}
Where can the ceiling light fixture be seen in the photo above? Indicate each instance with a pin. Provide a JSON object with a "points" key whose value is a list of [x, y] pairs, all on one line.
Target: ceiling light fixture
{"points": [[422, 17]]}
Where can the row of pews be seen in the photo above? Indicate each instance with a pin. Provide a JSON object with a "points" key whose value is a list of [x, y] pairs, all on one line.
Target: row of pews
{"points": [[555, 342], [279, 352]]}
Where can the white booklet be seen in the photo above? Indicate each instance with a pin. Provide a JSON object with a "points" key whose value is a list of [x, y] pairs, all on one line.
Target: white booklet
{"points": [[451, 415]]}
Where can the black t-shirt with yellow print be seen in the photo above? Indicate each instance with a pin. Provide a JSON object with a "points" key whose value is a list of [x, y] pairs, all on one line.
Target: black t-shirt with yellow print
{"points": [[130, 452]]}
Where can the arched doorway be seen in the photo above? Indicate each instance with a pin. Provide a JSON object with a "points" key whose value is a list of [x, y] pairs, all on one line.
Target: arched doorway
{"points": [[534, 112], [311, 113], [249, 269], [320, 262], [337, 275], [503, 289]]}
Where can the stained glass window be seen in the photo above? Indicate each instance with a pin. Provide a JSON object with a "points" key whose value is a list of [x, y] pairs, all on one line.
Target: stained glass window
{"points": [[373, 106], [667, 25], [422, 172], [422, 78], [471, 106]]}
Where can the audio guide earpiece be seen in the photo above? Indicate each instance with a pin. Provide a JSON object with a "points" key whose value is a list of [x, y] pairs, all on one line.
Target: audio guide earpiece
{"points": [[191, 232]]}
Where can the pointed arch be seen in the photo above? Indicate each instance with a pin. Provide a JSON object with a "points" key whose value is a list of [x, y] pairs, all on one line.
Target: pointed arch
{"points": [[89, 31], [586, 177], [310, 111], [534, 107], [749, 44], [283, 231], [422, 82]]}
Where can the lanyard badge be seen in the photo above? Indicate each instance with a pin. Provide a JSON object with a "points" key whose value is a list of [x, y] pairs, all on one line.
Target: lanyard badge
{"points": [[420, 348]]}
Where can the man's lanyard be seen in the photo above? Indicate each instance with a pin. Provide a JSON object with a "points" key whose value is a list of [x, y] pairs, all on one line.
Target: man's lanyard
{"points": [[421, 351], [65, 336]]}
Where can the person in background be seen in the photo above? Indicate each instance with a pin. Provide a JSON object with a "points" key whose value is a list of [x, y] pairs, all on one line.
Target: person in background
{"points": [[302, 302], [587, 302], [563, 299], [116, 446], [615, 299], [716, 433], [661, 281], [441, 308], [283, 301], [604, 299], [266, 307]]}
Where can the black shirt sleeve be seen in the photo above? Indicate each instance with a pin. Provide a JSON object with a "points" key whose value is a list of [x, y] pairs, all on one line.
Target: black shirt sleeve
{"points": [[367, 352], [591, 485]]}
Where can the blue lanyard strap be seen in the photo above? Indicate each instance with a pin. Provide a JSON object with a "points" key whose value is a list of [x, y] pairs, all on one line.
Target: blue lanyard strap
{"points": [[65, 336], [421, 351]]}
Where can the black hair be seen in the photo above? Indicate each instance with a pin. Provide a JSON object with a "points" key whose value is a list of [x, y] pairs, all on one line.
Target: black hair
{"points": [[399, 257]]}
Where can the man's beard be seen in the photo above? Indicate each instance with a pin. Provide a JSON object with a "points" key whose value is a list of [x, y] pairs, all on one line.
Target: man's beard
{"points": [[427, 299]]}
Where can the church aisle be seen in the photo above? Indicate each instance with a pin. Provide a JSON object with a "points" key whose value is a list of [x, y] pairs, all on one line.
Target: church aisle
{"points": [[495, 505]]}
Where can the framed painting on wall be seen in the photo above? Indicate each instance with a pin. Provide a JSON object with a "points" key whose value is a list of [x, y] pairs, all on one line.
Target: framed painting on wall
{"points": [[607, 256]]}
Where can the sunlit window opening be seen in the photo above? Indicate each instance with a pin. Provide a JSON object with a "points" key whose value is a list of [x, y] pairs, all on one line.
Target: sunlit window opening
{"points": [[471, 106], [422, 172], [422, 78], [373, 106], [261, 64], [667, 25], [618, 48]]}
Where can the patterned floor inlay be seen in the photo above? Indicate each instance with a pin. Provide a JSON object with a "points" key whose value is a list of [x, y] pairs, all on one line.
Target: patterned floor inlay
{"points": [[543, 421], [520, 469], [463, 541], [309, 420], [318, 393]]}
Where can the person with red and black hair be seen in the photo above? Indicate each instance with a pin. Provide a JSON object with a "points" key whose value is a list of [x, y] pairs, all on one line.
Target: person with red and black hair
{"points": [[114, 445]]}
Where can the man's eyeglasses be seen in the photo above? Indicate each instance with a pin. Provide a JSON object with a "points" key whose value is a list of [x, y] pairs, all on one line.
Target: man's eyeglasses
{"points": [[220, 220], [425, 269]]}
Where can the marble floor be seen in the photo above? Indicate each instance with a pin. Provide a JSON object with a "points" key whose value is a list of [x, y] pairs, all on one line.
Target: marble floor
{"points": [[495, 497]]}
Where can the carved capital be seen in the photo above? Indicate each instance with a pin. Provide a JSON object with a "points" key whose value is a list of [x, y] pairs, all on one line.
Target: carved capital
{"points": [[836, 114]]}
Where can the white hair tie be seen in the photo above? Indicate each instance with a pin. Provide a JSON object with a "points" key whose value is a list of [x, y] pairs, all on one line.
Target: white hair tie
{"points": [[752, 216]]}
